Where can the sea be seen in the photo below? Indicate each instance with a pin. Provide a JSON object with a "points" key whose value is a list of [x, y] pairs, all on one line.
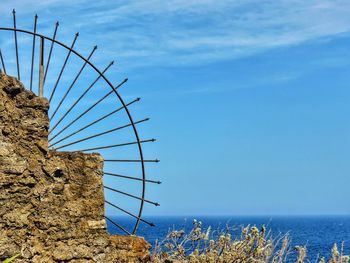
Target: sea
{"points": [[317, 233]]}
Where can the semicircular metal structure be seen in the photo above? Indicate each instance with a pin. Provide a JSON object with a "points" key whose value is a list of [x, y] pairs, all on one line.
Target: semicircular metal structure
{"points": [[83, 112]]}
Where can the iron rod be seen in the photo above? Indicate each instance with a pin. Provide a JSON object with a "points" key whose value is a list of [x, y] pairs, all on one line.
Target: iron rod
{"points": [[16, 44], [94, 122], [133, 161], [75, 79], [100, 134], [41, 67], [33, 51], [117, 225], [101, 74], [128, 213], [130, 195], [63, 67], [115, 145], [132, 178], [2, 62], [81, 115], [51, 48], [77, 101], [86, 111]]}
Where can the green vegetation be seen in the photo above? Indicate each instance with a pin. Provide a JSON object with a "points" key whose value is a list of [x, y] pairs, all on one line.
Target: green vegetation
{"points": [[11, 259], [254, 245]]}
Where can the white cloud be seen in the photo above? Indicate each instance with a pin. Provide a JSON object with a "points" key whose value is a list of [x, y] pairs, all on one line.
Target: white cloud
{"points": [[178, 32]]}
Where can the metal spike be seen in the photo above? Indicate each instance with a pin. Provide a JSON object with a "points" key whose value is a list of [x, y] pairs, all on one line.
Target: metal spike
{"points": [[2, 62], [100, 134], [51, 49], [33, 51], [117, 225], [75, 79], [16, 44], [130, 214], [77, 101], [130, 195], [41, 67], [86, 111], [132, 178], [132, 161], [92, 123], [63, 67], [115, 145]]}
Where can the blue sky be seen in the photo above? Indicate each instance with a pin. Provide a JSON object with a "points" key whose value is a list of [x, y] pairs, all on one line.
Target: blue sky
{"points": [[249, 100]]}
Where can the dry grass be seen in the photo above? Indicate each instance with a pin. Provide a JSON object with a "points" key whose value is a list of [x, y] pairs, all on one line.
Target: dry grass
{"points": [[253, 246]]}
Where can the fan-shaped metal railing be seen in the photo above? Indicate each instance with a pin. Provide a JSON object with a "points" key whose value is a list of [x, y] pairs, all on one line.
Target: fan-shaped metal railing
{"points": [[67, 125]]}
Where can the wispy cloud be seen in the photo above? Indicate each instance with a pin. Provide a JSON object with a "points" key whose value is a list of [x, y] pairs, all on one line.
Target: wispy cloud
{"points": [[178, 32]]}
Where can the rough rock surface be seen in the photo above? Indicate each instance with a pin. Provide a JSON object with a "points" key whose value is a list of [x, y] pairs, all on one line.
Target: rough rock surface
{"points": [[51, 203]]}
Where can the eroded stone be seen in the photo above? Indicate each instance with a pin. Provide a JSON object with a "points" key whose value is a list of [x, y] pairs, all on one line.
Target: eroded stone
{"points": [[51, 203]]}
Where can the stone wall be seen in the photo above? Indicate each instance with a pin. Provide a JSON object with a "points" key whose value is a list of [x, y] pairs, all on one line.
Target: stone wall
{"points": [[51, 203]]}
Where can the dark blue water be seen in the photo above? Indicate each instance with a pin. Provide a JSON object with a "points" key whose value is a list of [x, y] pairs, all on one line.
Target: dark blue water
{"points": [[319, 233]]}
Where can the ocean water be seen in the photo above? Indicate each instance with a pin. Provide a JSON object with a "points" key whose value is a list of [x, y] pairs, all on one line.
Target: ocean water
{"points": [[318, 233]]}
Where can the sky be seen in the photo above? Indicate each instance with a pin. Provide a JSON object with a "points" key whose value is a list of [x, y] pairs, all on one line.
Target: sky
{"points": [[249, 100]]}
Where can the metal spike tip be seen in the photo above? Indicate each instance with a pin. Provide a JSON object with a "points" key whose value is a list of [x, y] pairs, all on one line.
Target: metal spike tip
{"points": [[153, 140], [95, 47], [159, 182], [147, 119], [36, 15], [14, 11], [157, 204], [125, 80], [77, 34], [112, 62], [157, 161], [138, 99], [57, 23], [151, 224]]}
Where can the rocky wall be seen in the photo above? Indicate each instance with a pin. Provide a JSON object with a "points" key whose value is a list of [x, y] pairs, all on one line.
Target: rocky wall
{"points": [[51, 203]]}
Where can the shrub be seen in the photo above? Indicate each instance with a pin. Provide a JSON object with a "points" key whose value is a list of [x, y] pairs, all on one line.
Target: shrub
{"points": [[254, 245]]}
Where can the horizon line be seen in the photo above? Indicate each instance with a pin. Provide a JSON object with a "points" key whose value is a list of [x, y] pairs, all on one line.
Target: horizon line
{"points": [[240, 215]]}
